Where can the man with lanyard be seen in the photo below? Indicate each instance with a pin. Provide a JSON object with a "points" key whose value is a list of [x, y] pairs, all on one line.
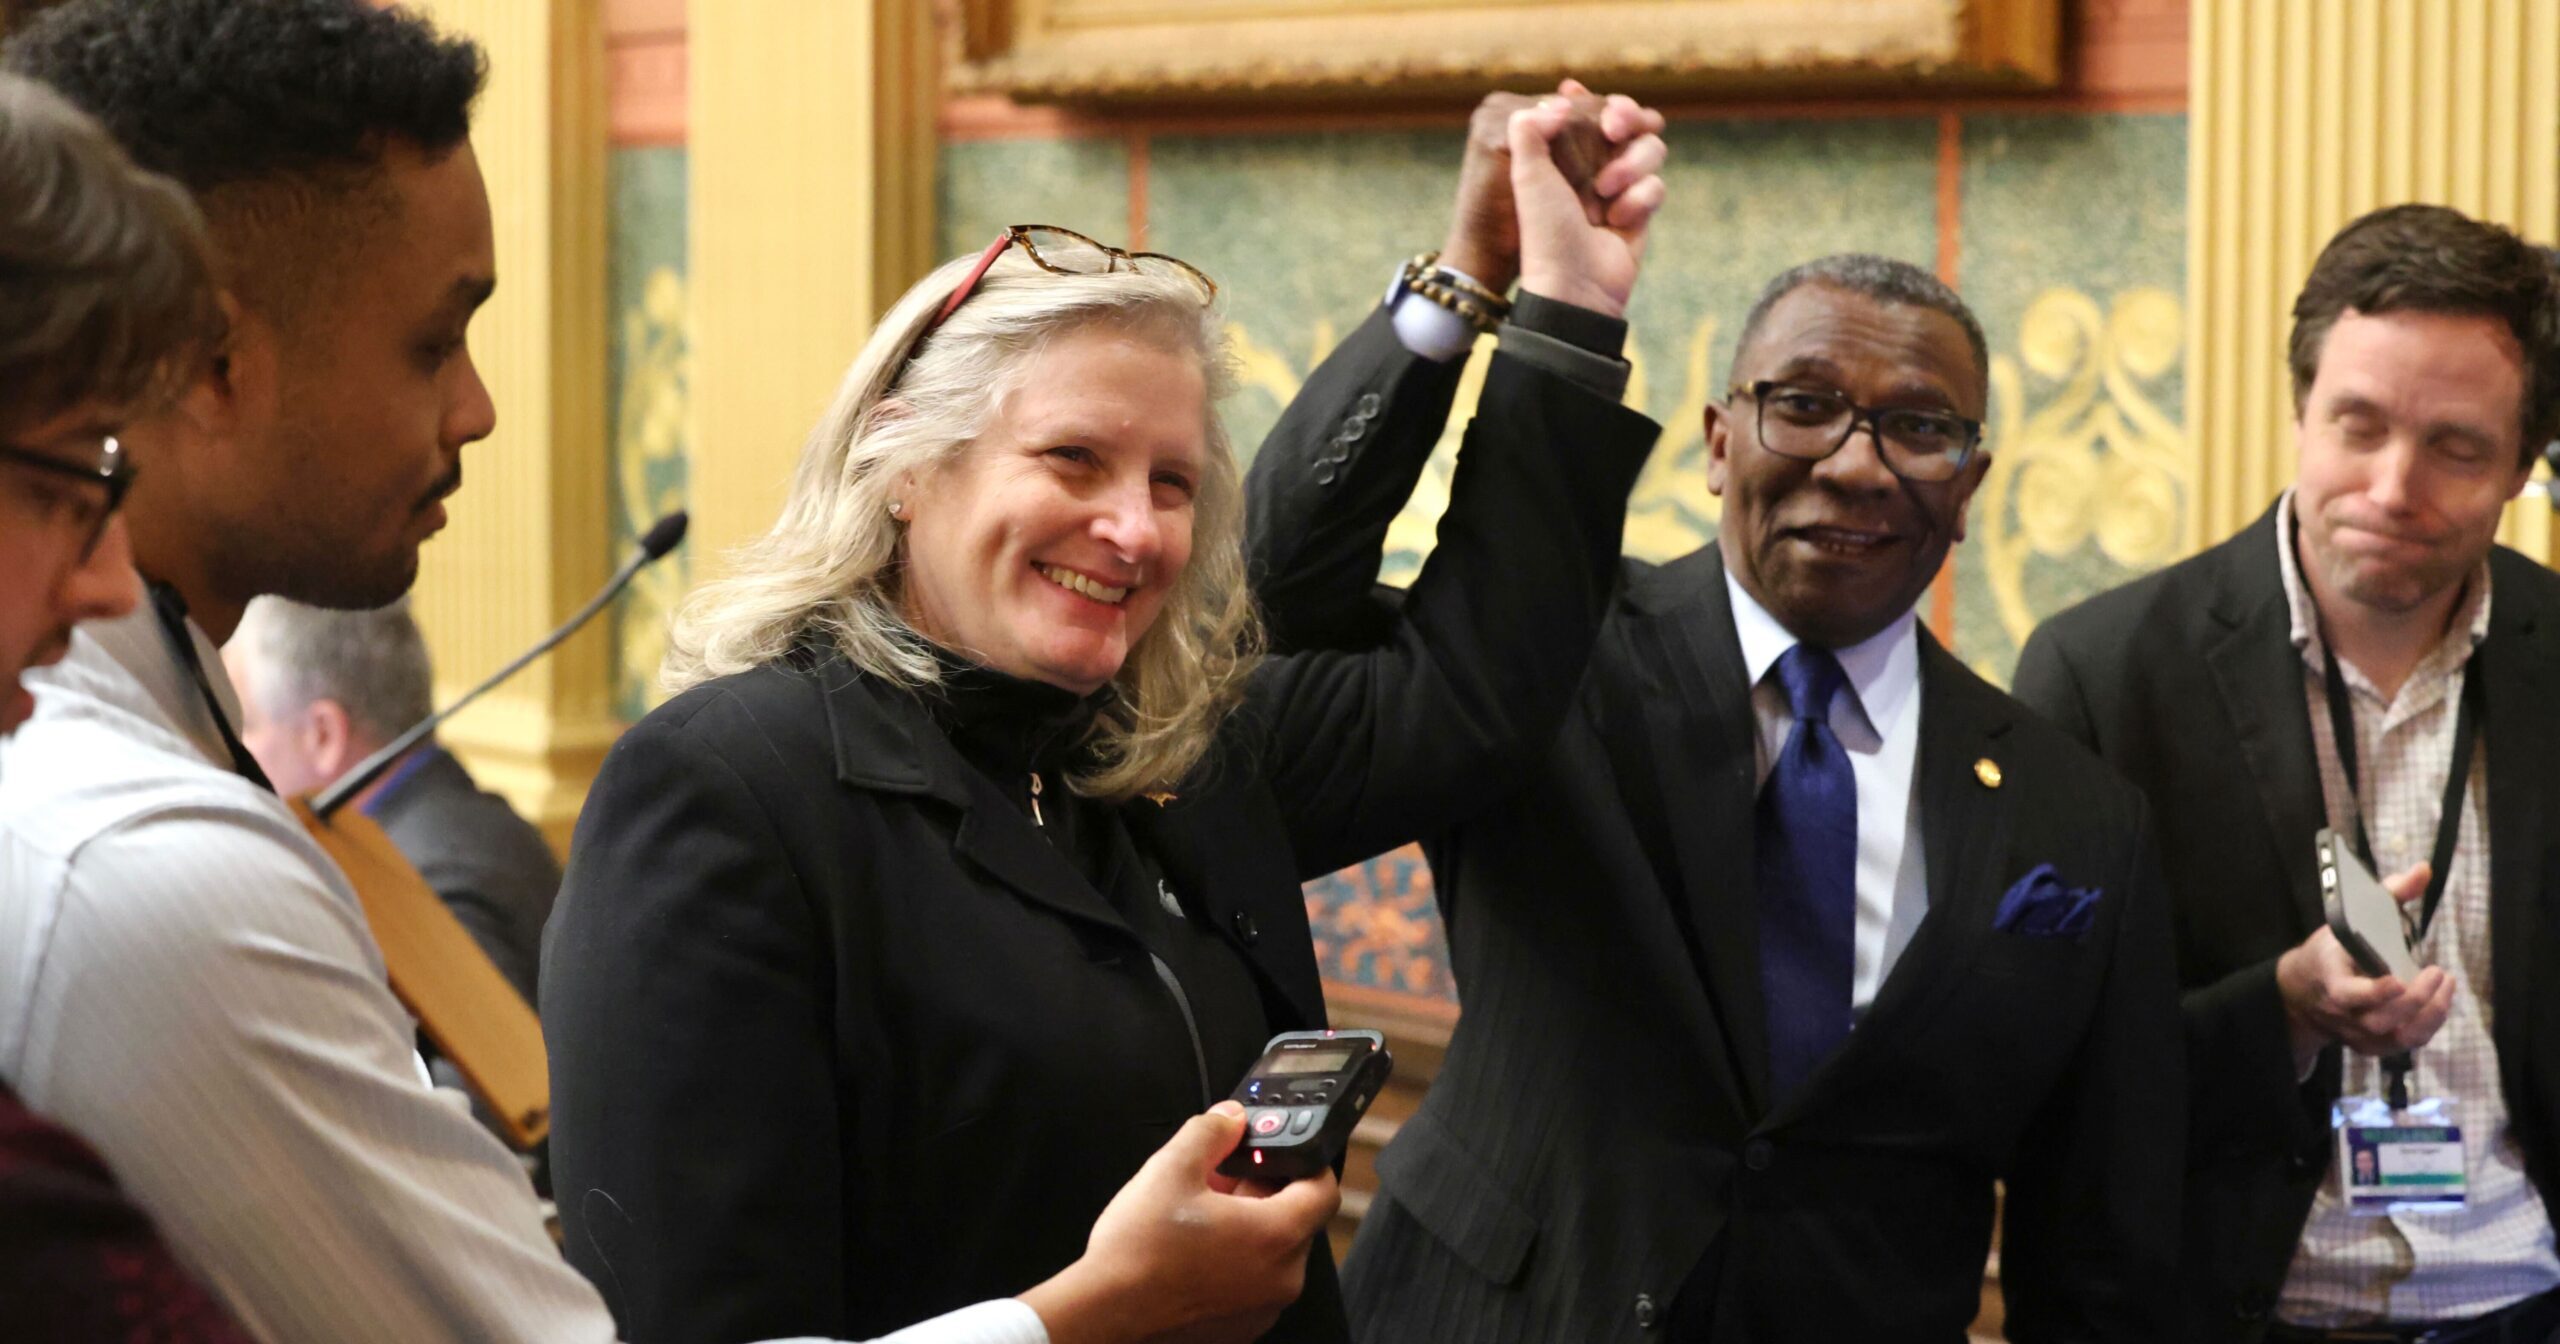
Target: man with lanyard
{"points": [[2364, 658]]}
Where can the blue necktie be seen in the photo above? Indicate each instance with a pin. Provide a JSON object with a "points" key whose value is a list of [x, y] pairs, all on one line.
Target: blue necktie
{"points": [[1807, 876]]}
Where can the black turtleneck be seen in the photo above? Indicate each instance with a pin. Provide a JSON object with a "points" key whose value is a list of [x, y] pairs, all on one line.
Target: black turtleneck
{"points": [[1027, 737]]}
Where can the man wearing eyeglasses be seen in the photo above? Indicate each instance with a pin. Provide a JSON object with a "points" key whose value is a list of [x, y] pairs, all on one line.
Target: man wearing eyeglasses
{"points": [[103, 303], [1805, 939], [62, 545]]}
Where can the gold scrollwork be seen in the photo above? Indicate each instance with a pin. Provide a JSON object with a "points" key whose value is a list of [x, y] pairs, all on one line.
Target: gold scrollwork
{"points": [[2096, 462], [649, 470]]}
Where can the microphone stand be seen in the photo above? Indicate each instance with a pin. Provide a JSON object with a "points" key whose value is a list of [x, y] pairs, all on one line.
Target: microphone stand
{"points": [[662, 537], [438, 972]]}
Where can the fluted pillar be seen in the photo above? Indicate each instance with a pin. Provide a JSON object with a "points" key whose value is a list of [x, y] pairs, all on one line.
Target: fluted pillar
{"points": [[2305, 114], [529, 538], [812, 184]]}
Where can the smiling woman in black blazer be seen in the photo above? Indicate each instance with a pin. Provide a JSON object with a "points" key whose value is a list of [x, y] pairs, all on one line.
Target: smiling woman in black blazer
{"points": [[964, 869]]}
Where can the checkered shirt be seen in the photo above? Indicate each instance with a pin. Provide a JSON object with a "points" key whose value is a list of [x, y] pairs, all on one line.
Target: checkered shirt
{"points": [[2354, 1269]]}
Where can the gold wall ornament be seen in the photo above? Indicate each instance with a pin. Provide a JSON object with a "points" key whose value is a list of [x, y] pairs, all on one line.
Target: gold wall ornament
{"points": [[2092, 464], [650, 456], [1099, 50]]}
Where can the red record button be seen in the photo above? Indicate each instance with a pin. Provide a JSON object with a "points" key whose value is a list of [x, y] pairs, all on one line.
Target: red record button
{"points": [[1269, 1122]]}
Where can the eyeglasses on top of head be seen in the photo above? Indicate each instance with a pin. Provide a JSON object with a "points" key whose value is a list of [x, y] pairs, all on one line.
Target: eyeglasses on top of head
{"points": [[1060, 252], [106, 475], [1067, 252], [1811, 423]]}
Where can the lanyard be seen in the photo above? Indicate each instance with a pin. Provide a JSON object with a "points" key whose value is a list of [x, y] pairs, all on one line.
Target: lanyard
{"points": [[2342, 731], [172, 611]]}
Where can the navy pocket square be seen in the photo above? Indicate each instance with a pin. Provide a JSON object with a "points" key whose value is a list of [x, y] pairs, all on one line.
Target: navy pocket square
{"points": [[2039, 906]]}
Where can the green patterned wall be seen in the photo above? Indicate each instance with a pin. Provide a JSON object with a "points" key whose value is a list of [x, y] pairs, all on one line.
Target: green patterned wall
{"points": [[645, 369], [2070, 244], [2074, 256]]}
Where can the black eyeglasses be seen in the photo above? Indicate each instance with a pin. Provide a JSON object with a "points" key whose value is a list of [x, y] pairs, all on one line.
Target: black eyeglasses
{"points": [[1811, 423], [103, 475]]}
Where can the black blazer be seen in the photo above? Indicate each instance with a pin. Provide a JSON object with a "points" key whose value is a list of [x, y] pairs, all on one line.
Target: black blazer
{"points": [[1601, 1135], [2188, 681], [840, 1042], [490, 866]]}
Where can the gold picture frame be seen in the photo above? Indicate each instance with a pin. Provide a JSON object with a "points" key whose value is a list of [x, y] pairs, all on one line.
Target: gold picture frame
{"points": [[1229, 50]]}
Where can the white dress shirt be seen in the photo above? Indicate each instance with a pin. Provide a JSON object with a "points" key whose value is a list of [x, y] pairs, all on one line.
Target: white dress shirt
{"points": [[1877, 718], [188, 983], [2353, 1269]]}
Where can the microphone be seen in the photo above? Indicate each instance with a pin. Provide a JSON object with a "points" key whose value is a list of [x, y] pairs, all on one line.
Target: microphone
{"points": [[663, 536]]}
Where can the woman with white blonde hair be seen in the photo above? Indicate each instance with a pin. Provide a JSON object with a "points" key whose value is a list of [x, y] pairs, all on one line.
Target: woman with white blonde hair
{"points": [[901, 952]]}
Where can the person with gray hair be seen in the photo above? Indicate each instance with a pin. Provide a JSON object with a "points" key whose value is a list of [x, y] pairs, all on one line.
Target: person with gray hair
{"points": [[1826, 933], [322, 690]]}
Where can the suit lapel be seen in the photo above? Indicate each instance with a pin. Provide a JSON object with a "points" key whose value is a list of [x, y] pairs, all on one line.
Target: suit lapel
{"points": [[1006, 846], [886, 742], [1700, 738], [2517, 733], [1203, 863], [2259, 673], [1964, 826]]}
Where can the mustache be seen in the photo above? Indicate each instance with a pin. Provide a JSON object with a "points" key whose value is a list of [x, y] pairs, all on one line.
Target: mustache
{"points": [[445, 485]]}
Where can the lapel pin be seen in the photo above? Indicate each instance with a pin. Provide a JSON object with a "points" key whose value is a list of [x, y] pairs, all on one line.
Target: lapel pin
{"points": [[1988, 771], [1159, 798]]}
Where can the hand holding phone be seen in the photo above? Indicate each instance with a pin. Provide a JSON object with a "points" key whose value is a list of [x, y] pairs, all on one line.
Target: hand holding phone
{"points": [[2362, 915]]}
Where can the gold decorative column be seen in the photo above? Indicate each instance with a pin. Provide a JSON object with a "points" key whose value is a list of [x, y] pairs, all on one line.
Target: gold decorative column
{"points": [[530, 534], [2305, 114], [812, 181]]}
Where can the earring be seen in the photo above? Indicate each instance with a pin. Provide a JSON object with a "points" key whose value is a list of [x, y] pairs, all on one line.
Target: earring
{"points": [[898, 509]]}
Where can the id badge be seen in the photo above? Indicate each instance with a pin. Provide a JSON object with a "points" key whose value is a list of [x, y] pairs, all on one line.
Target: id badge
{"points": [[2409, 1161]]}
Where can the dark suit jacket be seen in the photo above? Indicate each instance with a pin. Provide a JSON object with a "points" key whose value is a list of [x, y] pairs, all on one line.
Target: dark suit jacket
{"points": [[840, 1042], [493, 869], [1602, 1135], [2188, 681]]}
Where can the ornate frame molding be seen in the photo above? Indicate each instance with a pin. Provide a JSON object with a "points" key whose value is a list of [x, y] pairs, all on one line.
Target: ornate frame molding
{"points": [[1207, 50]]}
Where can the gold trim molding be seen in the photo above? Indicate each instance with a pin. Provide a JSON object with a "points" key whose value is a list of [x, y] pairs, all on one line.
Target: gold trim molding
{"points": [[1072, 50]]}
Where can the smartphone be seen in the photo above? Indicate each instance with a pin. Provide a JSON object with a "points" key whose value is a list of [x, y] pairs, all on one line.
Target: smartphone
{"points": [[2361, 913]]}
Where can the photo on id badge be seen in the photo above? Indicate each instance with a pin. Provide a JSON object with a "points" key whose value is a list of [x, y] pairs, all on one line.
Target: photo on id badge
{"points": [[2404, 1158]]}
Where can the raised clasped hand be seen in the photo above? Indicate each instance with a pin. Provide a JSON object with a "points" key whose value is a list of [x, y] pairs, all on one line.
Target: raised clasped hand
{"points": [[1577, 250]]}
